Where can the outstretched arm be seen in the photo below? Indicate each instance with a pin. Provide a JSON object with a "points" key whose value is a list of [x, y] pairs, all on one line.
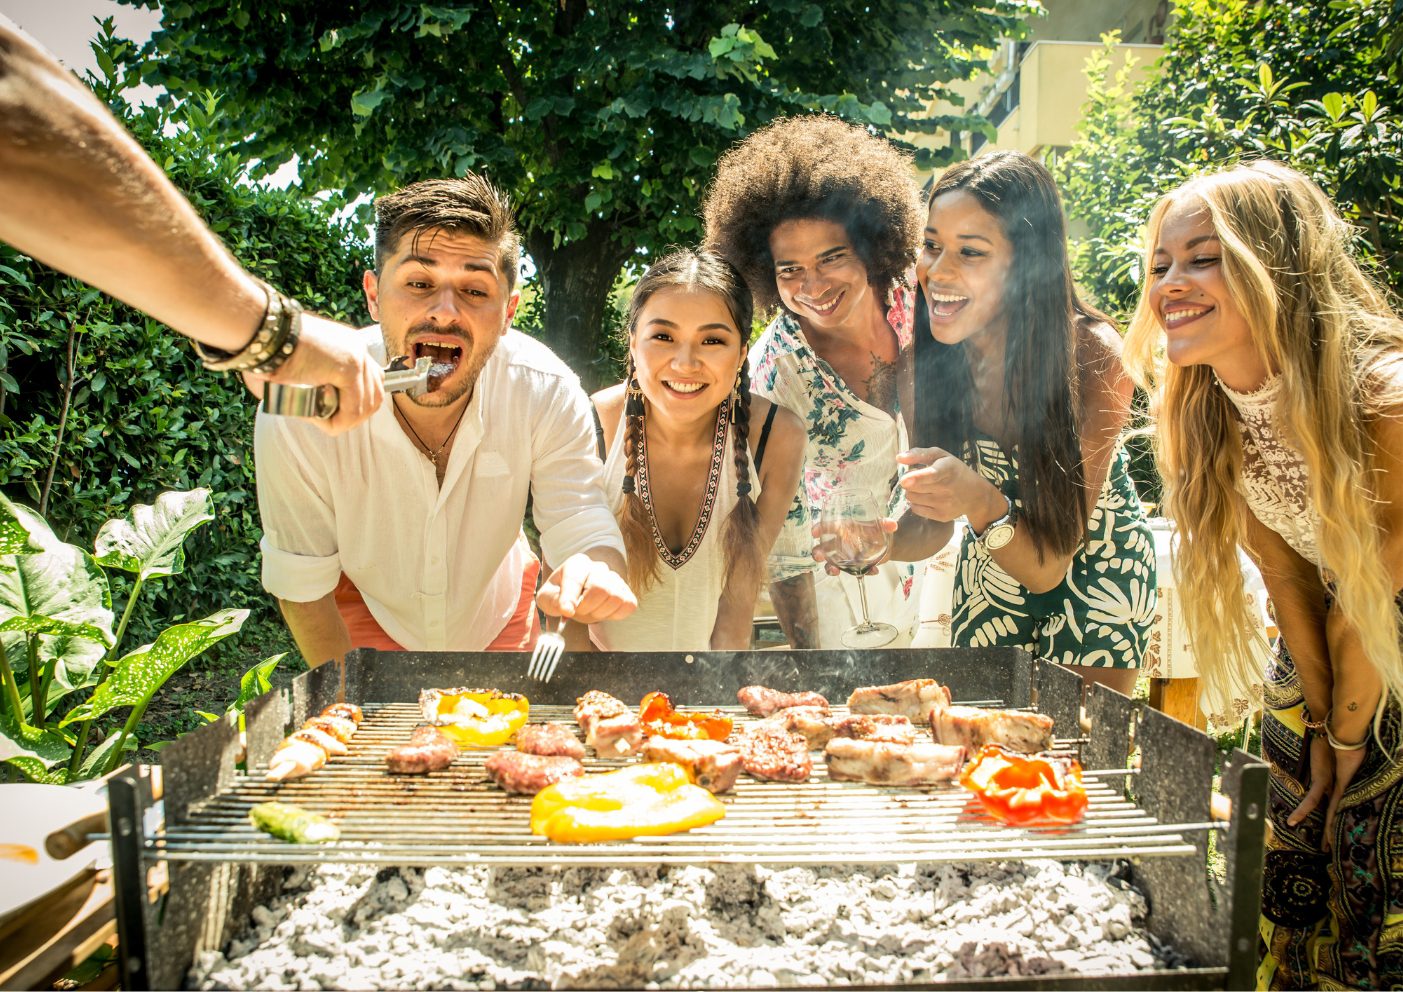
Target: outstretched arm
{"points": [[82, 196]]}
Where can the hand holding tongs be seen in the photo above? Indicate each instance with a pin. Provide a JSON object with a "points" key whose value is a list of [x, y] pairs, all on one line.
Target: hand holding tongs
{"points": [[321, 401]]}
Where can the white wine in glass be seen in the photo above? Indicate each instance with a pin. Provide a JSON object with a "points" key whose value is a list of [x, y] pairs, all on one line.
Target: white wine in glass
{"points": [[852, 539]]}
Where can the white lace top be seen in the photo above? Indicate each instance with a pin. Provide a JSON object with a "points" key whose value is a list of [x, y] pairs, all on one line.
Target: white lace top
{"points": [[1274, 475]]}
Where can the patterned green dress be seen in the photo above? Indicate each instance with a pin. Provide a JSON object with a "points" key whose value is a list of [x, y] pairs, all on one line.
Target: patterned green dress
{"points": [[1099, 615]]}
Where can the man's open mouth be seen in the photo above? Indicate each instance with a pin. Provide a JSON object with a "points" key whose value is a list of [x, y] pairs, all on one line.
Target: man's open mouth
{"points": [[445, 358]]}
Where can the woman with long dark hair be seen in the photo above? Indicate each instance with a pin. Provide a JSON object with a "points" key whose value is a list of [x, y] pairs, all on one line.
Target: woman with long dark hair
{"points": [[700, 493], [1021, 402]]}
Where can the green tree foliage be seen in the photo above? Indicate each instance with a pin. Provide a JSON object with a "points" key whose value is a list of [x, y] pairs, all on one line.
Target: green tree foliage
{"points": [[1318, 86], [102, 408], [1315, 85], [604, 119]]}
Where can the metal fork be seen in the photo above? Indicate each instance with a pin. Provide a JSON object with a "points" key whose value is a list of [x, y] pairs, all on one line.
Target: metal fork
{"points": [[549, 647]]}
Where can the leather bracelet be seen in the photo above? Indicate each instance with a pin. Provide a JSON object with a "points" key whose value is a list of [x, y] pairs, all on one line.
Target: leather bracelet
{"points": [[1335, 742], [272, 343]]}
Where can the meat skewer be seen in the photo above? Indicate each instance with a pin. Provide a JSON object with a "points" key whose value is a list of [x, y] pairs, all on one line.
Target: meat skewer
{"points": [[307, 748], [611, 728], [429, 750], [762, 701]]}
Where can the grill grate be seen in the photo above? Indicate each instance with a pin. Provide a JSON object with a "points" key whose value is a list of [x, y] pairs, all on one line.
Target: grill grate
{"points": [[458, 817]]}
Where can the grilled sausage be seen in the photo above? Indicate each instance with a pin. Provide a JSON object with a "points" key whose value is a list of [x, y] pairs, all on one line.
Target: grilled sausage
{"points": [[429, 750]]}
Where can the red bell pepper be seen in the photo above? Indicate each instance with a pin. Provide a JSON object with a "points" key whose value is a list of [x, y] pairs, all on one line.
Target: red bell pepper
{"points": [[661, 720], [1025, 790]]}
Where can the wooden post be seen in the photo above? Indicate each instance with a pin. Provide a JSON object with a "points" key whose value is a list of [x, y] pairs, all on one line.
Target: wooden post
{"points": [[1178, 698]]}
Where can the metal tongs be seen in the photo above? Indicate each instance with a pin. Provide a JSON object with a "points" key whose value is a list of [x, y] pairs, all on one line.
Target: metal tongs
{"points": [[321, 401]]}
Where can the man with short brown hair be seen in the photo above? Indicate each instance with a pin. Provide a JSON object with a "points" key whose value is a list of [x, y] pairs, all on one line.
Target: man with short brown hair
{"points": [[405, 533]]}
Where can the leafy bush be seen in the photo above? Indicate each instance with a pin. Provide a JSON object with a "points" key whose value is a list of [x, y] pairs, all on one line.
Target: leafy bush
{"points": [[58, 645], [101, 406]]}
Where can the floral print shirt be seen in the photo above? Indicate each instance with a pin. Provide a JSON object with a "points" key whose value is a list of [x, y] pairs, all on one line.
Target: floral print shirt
{"points": [[852, 444]]}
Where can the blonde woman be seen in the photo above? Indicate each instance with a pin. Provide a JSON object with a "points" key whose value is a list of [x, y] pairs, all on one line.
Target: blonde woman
{"points": [[700, 472], [1274, 361]]}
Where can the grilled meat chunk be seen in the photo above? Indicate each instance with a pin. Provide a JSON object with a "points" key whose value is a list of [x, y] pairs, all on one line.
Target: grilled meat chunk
{"points": [[337, 726], [885, 763], [429, 750], [321, 739], [813, 724], [770, 752], [714, 765], [295, 758], [611, 727], [761, 701], [889, 727], [549, 739], [972, 728], [528, 774], [914, 699], [346, 711]]}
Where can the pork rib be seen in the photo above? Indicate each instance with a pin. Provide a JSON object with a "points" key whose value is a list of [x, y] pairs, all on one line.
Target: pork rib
{"points": [[713, 765], [528, 774], [914, 699], [885, 763], [762, 701], [971, 728], [611, 727]]}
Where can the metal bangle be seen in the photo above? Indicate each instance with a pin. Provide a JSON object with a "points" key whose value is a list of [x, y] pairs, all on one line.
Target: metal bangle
{"points": [[1335, 742]]}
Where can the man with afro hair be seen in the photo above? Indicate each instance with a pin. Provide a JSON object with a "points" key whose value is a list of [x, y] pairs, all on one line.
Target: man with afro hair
{"points": [[822, 218]]}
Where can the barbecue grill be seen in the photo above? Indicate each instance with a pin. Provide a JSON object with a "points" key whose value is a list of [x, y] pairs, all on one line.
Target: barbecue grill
{"points": [[1157, 818]]}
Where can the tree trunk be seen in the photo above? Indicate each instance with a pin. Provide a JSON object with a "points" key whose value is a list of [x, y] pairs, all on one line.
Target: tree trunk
{"points": [[575, 282]]}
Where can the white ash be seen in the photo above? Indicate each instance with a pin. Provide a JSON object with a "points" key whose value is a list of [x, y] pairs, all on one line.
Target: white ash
{"points": [[339, 926]]}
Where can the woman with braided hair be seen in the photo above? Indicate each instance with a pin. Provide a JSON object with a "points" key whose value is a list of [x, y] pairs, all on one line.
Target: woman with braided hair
{"points": [[700, 496]]}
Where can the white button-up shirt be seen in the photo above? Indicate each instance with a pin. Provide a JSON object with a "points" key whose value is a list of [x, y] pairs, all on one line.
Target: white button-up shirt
{"points": [[440, 568]]}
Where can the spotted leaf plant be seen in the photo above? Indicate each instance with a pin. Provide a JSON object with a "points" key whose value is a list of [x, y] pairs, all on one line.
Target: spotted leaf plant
{"points": [[62, 669]]}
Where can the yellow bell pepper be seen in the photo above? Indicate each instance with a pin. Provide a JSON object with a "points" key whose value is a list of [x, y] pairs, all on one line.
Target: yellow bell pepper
{"points": [[638, 801], [476, 717]]}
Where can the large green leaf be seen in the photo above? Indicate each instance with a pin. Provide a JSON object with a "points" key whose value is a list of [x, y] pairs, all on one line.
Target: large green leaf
{"points": [[14, 535], [148, 542], [139, 675], [101, 756], [30, 750], [255, 682], [58, 590]]}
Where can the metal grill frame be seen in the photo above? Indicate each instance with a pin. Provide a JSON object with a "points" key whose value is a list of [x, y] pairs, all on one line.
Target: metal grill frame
{"points": [[211, 891]]}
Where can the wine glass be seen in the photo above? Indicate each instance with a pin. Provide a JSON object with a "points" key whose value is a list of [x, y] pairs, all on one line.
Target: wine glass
{"points": [[852, 539]]}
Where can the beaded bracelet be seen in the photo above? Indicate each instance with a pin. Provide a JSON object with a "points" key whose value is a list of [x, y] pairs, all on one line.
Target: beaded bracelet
{"points": [[1316, 725], [1335, 742], [271, 345]]}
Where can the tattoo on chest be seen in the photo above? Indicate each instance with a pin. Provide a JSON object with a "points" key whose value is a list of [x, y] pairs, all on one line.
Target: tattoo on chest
{"points": [[881, 384]]}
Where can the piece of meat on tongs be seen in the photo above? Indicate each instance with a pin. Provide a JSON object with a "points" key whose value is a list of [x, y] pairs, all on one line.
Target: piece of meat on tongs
{"points": [[885, 763], [528, 774], [762, 701], [971, 728], [549, 739], [611, 728], [429, 750], [770, 752], [713, 765], [914, 699]]}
